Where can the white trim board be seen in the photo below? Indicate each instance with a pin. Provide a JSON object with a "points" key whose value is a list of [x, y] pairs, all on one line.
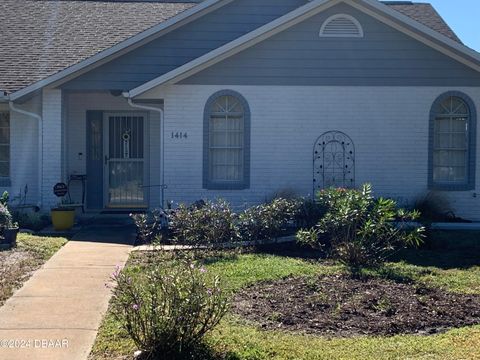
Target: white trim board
{"points": [[425, 35], [123, 47]]}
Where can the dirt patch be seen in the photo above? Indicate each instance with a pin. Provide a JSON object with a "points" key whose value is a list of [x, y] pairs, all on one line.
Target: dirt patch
{"points": [[342, 306], [16, 266]]}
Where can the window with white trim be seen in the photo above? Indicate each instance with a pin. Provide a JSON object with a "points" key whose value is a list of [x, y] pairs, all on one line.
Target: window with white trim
{"points": [[227, 152], [341, 25], [4, 144], [451, 141]]}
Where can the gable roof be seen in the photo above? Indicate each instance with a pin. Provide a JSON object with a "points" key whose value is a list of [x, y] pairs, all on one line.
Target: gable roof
{"points": [[425, 14], [41, 38], [374, 8], [42, 41]]}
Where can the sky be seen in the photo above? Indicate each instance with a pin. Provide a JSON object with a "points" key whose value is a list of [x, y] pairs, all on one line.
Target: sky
{"points": [[463, 16]]}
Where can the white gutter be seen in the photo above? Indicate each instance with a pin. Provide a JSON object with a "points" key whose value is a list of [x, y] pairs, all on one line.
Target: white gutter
{"points": [[162, 136], [40, 147]]}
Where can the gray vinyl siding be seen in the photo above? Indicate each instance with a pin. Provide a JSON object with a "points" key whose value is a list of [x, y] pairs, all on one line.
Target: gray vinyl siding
{"points": [[299, 56], [183, 45]]}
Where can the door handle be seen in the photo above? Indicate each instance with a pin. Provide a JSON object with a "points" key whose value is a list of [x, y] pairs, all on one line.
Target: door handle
{"points": [[106, 159]]}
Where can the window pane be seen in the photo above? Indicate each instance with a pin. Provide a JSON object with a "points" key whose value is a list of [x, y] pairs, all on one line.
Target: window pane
{"points": [[459, 124], [451, 141], [441, 158], [459, 141], [226, 140], [442, 125], [458, 158], [442, 141]]}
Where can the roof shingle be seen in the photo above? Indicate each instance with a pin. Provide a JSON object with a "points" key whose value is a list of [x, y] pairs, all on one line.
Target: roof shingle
{"points": [[39, 38], [425, 14]]}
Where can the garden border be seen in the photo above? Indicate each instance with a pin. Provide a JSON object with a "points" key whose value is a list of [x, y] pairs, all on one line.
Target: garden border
{"points": [[229, 245]]}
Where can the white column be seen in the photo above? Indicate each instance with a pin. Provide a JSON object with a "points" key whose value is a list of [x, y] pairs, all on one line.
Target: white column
{"points": [[52, 146]]}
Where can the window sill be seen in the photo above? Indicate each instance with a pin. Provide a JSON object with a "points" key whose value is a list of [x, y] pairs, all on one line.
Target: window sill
{"points": [[5, 182], [452, 187], [226, 186]]}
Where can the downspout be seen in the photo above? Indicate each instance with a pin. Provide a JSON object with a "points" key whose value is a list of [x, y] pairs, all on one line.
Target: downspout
{"points": [[40, 147], [162, 130]]}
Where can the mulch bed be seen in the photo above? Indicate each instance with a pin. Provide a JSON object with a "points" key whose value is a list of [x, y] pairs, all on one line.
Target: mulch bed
{"points": [[338, 305]]}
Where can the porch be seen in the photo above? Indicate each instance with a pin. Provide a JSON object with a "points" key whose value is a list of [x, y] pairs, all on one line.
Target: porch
{"points": [[111, 152]]}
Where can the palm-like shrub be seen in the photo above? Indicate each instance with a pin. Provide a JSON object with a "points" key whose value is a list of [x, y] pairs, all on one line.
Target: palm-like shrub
{"points": [[361, 230], [168, 309]]}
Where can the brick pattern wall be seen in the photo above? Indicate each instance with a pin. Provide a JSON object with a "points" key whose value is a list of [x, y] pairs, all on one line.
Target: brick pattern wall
{"points": [[389, 126], [52, 145], [24, 152]]}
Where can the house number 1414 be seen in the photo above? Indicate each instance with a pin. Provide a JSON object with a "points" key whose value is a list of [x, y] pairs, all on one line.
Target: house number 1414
{"points": [[179, 135]]}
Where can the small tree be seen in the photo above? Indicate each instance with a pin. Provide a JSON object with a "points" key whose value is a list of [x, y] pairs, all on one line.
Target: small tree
{"points": [[363, 231], [168, 308]]}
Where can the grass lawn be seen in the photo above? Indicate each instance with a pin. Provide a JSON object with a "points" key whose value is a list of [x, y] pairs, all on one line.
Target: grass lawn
{"points": [[453, 263], [18, 264]]}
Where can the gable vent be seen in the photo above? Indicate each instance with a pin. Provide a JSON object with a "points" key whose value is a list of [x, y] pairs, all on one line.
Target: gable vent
{"points": [[341, 25]]}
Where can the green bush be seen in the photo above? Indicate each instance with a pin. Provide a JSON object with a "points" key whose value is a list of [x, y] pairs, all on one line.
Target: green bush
{"points": [[269, 220], [362, 231], [35, 221], [208, 223], [309, 213], [168, 309], [150, 226]]}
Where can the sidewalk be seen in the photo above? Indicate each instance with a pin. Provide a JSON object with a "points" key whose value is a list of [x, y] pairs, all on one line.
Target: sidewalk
{"points": [[56, 314]]}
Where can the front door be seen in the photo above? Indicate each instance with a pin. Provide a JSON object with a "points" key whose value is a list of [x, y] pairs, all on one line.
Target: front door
{"points": [[124, 150]]}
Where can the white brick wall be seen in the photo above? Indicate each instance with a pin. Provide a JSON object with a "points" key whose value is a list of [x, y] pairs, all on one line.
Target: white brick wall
{"points": [[52, 145], [24, 151], [389, 126]]}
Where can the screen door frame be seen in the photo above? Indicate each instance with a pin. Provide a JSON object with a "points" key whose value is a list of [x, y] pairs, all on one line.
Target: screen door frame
{"points": [[106, 162]]}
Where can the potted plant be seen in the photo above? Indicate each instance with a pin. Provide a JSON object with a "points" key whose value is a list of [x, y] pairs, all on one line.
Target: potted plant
{"points": [[9, 229], [63, 217]]}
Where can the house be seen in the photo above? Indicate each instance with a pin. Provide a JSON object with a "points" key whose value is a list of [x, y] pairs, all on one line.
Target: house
{"points": [[156, 101]]}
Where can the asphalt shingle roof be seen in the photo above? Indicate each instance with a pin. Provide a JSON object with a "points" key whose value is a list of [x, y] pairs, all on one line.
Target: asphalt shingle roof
{"points": [[39, 38], [427, 15]]}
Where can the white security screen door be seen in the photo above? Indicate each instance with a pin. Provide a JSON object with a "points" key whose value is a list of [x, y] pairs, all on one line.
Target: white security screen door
{"points": [[124, 160]]}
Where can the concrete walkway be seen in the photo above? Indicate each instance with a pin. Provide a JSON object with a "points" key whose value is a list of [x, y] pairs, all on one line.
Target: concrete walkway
{"points": [[56, 314]]}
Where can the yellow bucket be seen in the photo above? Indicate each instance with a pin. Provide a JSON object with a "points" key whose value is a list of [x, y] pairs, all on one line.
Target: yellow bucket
{"points": [[63, 219]]}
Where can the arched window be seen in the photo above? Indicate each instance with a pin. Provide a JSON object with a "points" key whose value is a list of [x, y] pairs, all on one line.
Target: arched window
{"points": [[226, 141], [452, 142], [341, 25]]}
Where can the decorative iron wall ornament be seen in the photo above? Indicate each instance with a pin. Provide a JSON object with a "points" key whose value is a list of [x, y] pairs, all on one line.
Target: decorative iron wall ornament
{"points": [[333, 161]]}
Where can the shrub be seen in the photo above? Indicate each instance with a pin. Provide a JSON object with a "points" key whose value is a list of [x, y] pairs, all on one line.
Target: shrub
{"points": [[269, 220], [167, 310], [35, 221], [434, 207], [5, 217], [208, 223], [150, 226], [362, 230], [309, 213]]}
